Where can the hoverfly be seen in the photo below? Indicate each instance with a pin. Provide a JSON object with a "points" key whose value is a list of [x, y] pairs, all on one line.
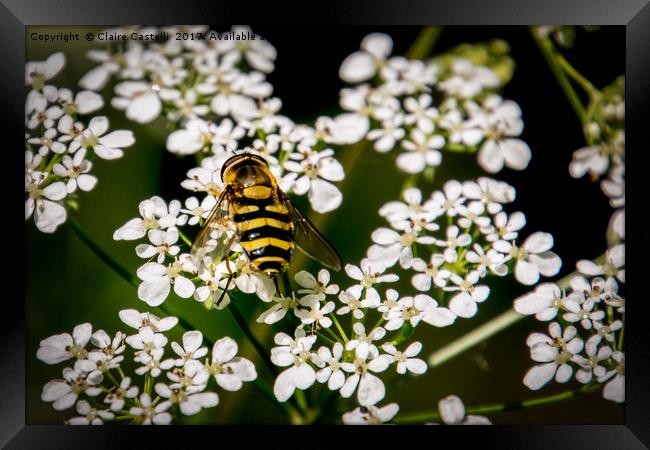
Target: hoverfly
{"points": [[262, 218]]}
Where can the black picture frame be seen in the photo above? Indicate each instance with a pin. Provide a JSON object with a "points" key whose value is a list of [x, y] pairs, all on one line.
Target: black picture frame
{"points": [[15, 15]]}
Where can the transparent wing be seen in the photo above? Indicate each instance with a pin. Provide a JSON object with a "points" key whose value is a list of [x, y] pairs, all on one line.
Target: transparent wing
{"points": [[217, 235], [308, 239]]}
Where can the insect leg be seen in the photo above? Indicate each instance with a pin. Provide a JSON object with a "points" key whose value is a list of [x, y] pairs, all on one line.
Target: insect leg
{"points": [[231, 275]]}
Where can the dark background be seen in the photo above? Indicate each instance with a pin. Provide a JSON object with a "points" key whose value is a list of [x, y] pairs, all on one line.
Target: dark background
{"points": [[68, 285]]}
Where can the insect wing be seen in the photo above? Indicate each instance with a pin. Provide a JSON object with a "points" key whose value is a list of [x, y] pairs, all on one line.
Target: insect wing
{"points": [[308, 239], [216, 237]]}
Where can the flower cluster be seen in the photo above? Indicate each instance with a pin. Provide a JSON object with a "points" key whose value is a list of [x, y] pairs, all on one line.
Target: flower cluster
{"points": [[467, 235], [586, 340], [97, 387], [61, 141], [423, 107], [215, 94], [604, 156]]}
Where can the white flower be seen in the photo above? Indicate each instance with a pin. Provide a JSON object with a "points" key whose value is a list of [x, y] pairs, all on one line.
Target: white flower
{"points": [[316, 314], [501, 127], [420, 112], [452, 412], [229, 370], [362, 343], [251, 280], [464, 304], [48, 214], [62, 347], [390, 132], [38, 72], [295, 355], [259, 53], [316, 286], [591, 365], [555, 352], [492, 260], [461, 131], [106, 345], [581, 310], [370, 273], [63, 393], [116, 397], [157, 280], [592, 159], [201, 135], [454, 241], [468, 80], [422, 151], [316, 171], [505, 228], [492, 193], [189, 403], [614, 264], [90, 415], [449, 199], [370, 415], [149, 414], [199, 211], [348, 128], [106, 146], [76, 170], [544, 302], [370, 387], [138, 99], [84, 102], [406, 360], [532, 258], [47, 143], [206, 178], [351, 302], [614, 390], [139, 320], [607, 331], [430, 272], [154, 215], [214, 289], [393, 247], [191, 348], [332, 373], [281, 305], [402, 215], [415, 309], [362, 65], [163, 244]]}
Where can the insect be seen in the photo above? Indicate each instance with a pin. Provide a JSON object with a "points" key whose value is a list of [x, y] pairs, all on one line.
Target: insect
{"points": [[262, 218]]}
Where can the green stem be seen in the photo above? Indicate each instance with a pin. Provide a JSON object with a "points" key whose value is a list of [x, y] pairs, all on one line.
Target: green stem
{"points": [[577, 76], [425, 42], [427, 416], [619, 346], [184, 238], [548, 50], [488, 329], [96, 248], [339, 327]]}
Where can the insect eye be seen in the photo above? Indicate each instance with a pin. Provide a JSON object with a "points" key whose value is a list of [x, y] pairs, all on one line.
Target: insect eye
{"points": [[228, 162]]}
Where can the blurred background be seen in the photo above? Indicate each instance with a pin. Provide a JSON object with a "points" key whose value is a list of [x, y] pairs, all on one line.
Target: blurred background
{"points": [[67, 284]]}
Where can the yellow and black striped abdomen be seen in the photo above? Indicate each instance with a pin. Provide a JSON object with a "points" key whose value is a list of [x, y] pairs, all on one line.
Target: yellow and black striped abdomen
{"points": [[265, 229]]}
